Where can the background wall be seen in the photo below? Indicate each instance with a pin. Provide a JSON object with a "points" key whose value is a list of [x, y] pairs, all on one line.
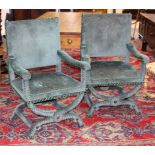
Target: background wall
{"points": [[4, 11], [117, 10]]}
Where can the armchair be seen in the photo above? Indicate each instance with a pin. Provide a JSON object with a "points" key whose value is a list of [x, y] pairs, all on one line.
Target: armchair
{"points": [[108, 36], [36, 43]]}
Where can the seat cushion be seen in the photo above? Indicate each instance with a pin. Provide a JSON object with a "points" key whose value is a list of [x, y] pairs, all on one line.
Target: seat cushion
{"points": [[49, 85], [113, 72], [151, 69]]}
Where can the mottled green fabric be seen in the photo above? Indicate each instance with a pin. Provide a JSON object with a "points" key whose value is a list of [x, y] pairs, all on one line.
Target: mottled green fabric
{"points": [[113, 72], [49, 85]]}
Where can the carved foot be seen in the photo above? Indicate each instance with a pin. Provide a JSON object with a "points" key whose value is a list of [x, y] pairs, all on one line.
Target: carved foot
{"points": [[80, 122], [32, 131], [134, 106]]}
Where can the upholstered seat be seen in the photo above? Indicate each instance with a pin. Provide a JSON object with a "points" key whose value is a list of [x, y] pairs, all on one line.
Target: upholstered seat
{"points": [[49, 85], [150, 67], [104, 73]]}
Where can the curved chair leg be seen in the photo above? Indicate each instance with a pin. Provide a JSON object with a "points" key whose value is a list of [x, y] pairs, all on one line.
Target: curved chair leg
{"points": [[19, 112], [19, 108], [134, 105], [37, 126], [63, 112], [124, 98], [90, 103]]}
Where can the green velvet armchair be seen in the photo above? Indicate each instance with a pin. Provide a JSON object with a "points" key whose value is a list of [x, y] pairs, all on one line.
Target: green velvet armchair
{"points": [[108, 35], [33, 44]]}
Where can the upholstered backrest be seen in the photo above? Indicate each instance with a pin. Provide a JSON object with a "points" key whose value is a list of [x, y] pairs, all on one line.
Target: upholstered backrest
{"points": [[34, 43], [106, 34]]}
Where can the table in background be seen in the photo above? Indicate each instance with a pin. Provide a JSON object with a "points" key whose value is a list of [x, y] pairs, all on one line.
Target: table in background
{"points": [[0, 45], [70, 27], [147, 30]]}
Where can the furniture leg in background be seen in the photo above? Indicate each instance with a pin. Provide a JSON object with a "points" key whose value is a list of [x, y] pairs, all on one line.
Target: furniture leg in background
{"points": [[0, 47], [147, 30], [0, 29]]}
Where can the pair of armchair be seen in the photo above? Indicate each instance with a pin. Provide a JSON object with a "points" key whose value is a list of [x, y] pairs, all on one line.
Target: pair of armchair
{"points": [[36, 43]]}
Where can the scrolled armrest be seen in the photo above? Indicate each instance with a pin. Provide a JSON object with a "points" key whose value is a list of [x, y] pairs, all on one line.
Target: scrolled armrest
{"points": [[19, 70], [137, 54], [74, 62]]}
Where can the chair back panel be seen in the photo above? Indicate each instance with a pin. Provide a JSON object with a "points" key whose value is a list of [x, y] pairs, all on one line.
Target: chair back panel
{"points": [[106, 34], [34, 43]]}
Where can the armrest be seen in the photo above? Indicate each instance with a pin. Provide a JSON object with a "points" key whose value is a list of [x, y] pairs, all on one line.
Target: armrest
{"points": [[19, 70], [74, 62], [137, 54]]}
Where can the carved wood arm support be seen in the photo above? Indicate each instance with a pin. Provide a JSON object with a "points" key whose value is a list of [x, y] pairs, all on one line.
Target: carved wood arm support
{"points": [[19, 70], [84, 55], [23, 73], [82, 64], [137, 54]]}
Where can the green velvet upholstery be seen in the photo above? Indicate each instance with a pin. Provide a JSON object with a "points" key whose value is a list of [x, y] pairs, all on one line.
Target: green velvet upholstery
{"points": [[109, 35], [104, 73], [31, 35], [36, 43], [49, 86]]}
